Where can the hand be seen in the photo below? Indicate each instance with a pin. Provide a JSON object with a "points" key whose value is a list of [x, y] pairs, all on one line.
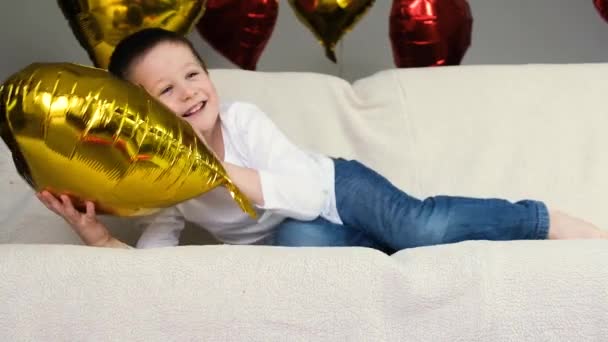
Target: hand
{"points": [[91, 231]]}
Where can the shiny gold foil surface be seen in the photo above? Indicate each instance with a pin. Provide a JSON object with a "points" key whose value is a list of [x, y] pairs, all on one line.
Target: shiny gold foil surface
{"points": [[330, 20], [100, 24], [80, 131]]}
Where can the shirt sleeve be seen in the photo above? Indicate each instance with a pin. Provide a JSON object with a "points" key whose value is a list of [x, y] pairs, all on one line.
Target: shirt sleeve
{"points": [[161, 229], [291, 178]]}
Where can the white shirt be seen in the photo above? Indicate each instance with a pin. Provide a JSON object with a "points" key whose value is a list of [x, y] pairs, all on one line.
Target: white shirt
{"points": [[295, 183]]}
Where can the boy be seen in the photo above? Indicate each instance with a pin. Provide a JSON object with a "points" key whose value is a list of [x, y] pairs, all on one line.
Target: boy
{"points": [[303, 198]]}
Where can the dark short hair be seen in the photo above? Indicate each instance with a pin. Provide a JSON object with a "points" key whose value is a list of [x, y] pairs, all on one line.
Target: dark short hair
{"points": [[139, 43]]}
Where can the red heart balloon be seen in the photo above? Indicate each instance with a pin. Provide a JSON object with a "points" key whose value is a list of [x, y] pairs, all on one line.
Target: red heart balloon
{"points": [[430, 32], [239, 29], [602, 8]]}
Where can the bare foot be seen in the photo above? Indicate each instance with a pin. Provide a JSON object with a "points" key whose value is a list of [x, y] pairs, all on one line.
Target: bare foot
{"points": [[564, 226]]}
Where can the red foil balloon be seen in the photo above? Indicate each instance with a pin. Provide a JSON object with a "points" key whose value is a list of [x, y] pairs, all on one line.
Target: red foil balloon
{"points": [[430, 32], [602, 7], [239, 29]]}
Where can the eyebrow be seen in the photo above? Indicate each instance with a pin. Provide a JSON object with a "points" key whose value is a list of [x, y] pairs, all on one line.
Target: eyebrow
{"points": [[155, 84], [183, 67]]}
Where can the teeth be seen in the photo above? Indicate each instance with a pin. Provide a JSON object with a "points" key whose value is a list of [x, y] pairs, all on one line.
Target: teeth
{"points": [[195, 109]]}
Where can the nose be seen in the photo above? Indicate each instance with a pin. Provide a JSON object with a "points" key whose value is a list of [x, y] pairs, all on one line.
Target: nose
{"points": [[186, 92]]}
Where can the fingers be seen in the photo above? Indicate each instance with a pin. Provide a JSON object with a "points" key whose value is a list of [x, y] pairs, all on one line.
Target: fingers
{"points": [[64, 207], [68, 208], [90, 213], [50, 202]]}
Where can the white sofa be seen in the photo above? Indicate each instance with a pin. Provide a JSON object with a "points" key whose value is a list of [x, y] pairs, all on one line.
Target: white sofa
{"points": [[523, 131]]}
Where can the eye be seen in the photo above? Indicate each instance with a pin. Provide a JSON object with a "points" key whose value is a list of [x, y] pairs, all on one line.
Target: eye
{"points": [[192, 74], [166, 90]]}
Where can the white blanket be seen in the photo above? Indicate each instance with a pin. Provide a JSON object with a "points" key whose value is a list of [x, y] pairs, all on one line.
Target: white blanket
{"points": [[473, 291]]}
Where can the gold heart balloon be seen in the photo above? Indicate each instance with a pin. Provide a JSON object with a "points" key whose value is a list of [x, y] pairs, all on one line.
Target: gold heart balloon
{"points": [[100, 24], [329, 20], [79, 131]]}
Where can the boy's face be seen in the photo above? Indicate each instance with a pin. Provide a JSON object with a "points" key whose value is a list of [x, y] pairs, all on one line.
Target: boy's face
{"points": [[172, 74]]}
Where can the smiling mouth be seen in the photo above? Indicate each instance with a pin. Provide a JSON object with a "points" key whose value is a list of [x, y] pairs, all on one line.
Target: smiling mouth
{"points": [[195, 109]]}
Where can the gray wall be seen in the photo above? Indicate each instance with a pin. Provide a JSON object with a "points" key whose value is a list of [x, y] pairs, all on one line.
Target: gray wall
{"points": [[514, 31]]}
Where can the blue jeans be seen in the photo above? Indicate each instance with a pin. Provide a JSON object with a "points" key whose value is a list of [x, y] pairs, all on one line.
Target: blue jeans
{"points": [[378, 215]]}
